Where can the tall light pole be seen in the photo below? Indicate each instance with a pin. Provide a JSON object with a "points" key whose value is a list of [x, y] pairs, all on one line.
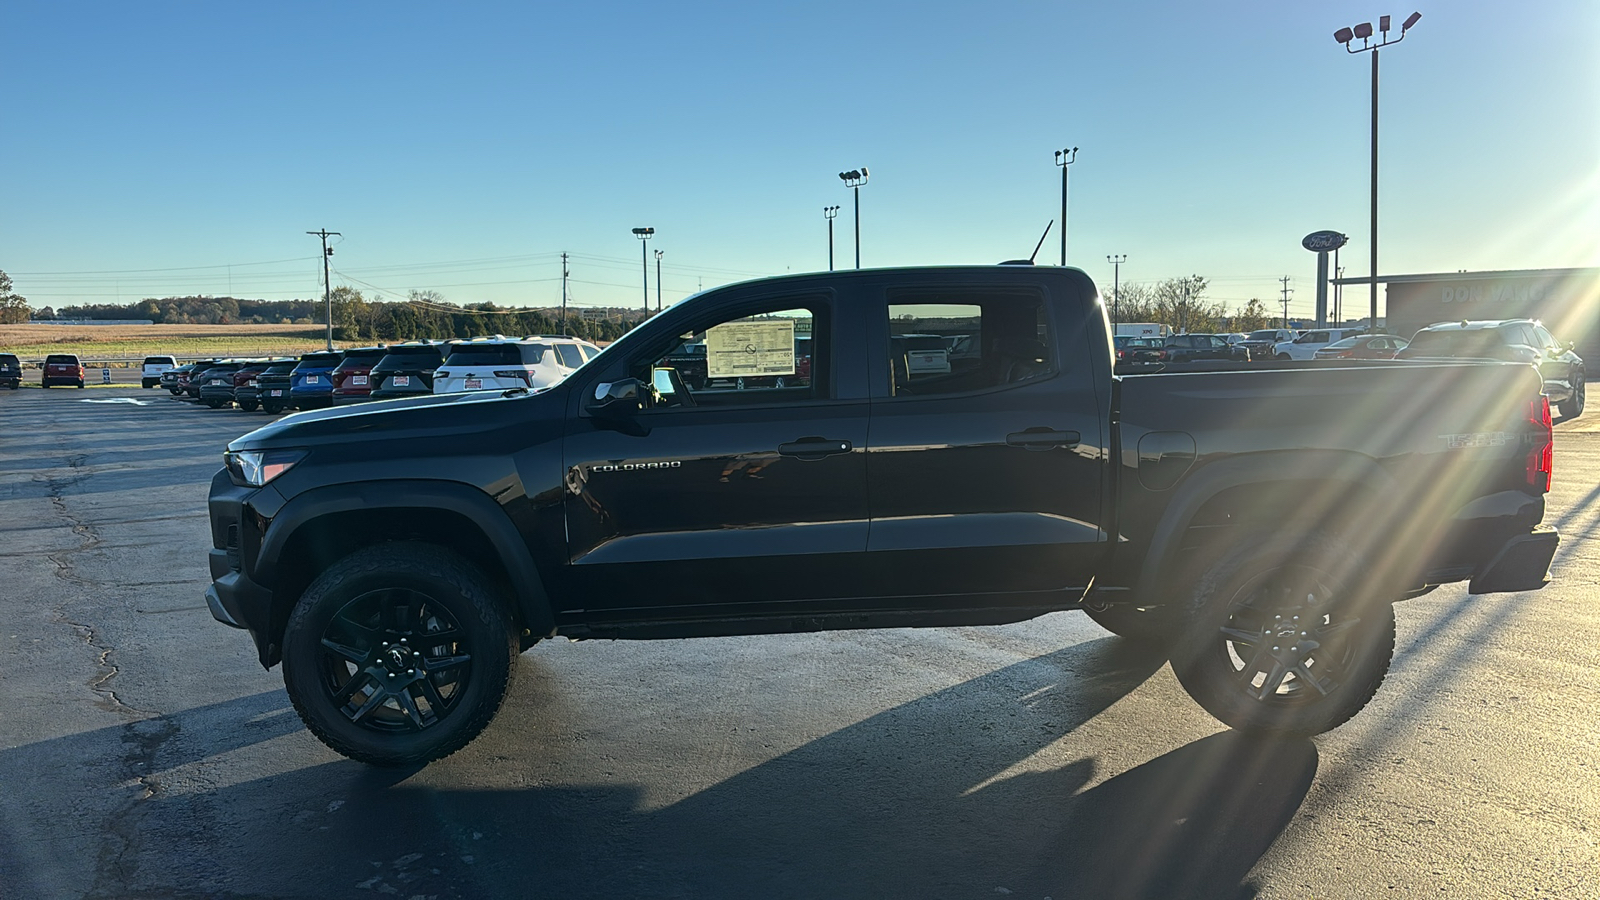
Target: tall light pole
{"points": [[1116, 260], [828, 212], [644, 235], [327, 295], [1064, 158], [854, 179], [1364, 32], [659, 254]]}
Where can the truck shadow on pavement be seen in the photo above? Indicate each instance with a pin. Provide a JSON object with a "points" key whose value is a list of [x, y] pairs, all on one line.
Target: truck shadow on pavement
{"points": [[962, 792]]}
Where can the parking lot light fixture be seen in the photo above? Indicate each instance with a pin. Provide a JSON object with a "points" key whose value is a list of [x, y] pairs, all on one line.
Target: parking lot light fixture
{"points": [[1064, 158], [828, 212], [1345, 36], [644, 235], [854, 179]]}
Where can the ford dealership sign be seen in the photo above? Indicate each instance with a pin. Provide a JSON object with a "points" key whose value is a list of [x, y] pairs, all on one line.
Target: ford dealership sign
{"points": [[1323, 241]]}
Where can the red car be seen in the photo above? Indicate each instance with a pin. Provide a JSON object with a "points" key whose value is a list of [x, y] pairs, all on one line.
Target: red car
{"points": [[63, 368], [352, 376]]}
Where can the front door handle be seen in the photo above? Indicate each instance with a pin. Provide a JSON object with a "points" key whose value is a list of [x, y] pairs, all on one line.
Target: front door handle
{"points": [[1041, 438], [814, 448]]}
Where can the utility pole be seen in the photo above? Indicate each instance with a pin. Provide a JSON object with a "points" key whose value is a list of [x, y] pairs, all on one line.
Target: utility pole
{"points": [[1116, 260], [1286, 292], [659, 254], [1064, 158], [327, 293], [564, 274]]}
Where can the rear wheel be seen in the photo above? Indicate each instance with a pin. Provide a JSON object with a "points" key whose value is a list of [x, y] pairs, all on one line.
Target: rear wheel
{"points": [[1284, 638], [271, 408], [248, 405], [216, 404], [80, 382], [398, 654]]}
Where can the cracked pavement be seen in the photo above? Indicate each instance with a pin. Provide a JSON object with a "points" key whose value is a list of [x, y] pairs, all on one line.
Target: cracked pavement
{"points": [[146, 755]]}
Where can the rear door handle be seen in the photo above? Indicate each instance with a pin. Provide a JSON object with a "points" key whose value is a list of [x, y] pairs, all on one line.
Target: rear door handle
{"points": [[1041, 438], [814, 448]]}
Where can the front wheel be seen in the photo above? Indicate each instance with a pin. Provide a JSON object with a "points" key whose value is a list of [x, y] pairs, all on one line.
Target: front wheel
{"points": [[1283, 637], [398, 654], [1284, 356]]}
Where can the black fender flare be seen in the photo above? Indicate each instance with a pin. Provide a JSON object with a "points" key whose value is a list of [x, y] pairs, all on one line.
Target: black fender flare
{"points": [[1207, 481], [532, 601]]}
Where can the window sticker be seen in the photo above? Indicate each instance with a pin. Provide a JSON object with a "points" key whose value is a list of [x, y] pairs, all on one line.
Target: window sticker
{"points": [[745, 349]]}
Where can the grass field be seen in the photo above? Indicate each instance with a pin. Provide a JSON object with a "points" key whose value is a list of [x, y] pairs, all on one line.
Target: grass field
{"points": [[134, 342]]}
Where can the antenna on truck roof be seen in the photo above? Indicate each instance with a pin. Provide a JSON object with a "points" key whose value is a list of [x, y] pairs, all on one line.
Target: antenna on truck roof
{"points": [[1029, 260]]}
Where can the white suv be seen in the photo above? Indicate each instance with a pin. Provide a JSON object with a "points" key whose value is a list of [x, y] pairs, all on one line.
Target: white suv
{"points": [[501, 363], [153, 367], [1306, 345]]}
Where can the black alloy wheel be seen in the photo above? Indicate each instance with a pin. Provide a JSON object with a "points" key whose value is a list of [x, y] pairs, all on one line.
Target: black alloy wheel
{"points": [[398, 654], [1281, 639]]}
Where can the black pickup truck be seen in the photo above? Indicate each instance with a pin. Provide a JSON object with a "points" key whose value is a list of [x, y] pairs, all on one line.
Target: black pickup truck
{"points": [[396, 557]]}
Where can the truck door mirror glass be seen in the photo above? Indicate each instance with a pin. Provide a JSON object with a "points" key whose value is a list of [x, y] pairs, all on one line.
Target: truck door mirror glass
{"points": [[614, 398]]}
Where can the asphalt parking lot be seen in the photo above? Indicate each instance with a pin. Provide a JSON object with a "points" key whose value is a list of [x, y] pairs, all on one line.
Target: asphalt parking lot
{"points": [[145, 754]]}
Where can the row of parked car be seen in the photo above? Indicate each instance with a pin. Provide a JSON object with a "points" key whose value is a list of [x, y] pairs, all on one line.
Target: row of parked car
{"points": [[1512, 340], [380, 372]]}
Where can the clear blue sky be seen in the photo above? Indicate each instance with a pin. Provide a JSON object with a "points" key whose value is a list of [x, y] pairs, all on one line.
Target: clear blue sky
{"points": [[460, 147]]}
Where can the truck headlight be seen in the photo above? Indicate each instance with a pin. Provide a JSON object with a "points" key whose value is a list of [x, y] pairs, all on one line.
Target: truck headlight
{"points": [[258, 467]]}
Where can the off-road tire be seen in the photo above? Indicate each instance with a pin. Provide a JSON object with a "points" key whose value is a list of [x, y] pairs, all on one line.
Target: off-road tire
{"points": [[1156, 625], [451, 586], [1256, 588], [1572, 407]]}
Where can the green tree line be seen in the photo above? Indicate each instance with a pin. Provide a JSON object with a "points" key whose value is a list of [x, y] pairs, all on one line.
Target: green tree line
{"points": [[424, 315]]}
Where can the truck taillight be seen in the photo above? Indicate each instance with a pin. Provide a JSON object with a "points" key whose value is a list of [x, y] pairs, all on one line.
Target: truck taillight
{"points": [[1541, 457]]}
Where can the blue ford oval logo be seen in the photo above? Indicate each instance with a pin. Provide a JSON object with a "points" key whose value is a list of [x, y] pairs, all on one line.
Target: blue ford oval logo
{"points": [[1323, 241]]}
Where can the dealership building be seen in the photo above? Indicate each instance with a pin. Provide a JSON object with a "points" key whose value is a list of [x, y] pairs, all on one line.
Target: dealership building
{"points": [[1566, 300]]}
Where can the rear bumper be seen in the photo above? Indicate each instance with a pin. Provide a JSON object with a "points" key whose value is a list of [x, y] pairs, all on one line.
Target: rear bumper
{"points": [[1522, 564], [346, 399]]}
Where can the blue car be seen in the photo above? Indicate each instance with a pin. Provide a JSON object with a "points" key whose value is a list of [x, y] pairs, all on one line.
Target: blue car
{"points": [[311, 381]]}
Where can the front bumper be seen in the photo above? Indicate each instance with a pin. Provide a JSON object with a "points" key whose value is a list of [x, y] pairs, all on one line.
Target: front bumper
{"points": [[234, 597]]}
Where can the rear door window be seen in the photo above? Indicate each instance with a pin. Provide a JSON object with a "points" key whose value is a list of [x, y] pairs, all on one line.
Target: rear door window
{"points": [[1011, 344], [486, 355], [570, 357]]}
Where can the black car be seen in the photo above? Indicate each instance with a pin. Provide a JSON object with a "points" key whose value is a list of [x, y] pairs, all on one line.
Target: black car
{"points": [[246, 388], [1191, 347], [1516, 340], [272, 386], [214, 387], [10, 370], [407, 370]]}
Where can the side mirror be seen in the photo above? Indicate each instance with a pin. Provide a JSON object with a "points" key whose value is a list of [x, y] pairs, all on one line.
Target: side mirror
{"points": [[616, 398]]}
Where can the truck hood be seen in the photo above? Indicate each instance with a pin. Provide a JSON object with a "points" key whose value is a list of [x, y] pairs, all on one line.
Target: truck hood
{"points": [[432, 415]]}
